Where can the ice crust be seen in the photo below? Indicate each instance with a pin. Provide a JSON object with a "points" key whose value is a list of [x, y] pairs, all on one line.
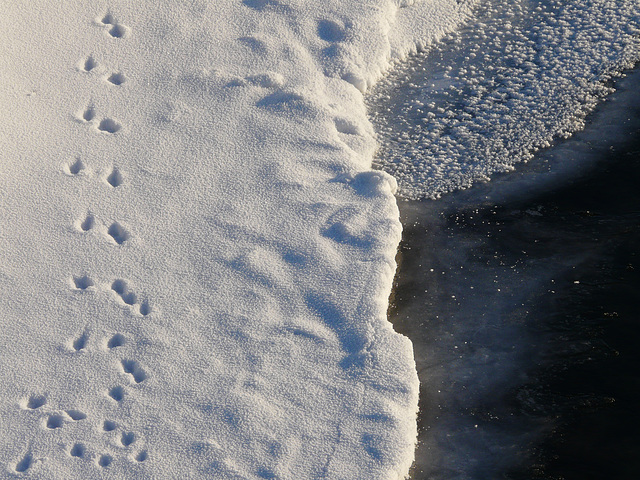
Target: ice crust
{"points": [[513, 80], [195, 256]]}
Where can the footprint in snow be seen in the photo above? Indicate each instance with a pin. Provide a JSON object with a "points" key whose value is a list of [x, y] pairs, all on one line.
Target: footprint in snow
{"points": [[55, 421], [76, 415], [24, 464], [115, 178], [89, 64], [142, 456], [331, 31], [87, 115], [109, 125], [107, 20], [34, 402], [118, 233], [117, 393], [116, 79], [135, 370], [88, 223], [109, 426], [122, 289], [80, 343], [118, 31], [83, 282], [117, 340], [127, 438], [129, 297], [75, 168], [78, 450]]}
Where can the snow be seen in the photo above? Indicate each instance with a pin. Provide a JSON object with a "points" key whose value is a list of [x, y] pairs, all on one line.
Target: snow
{"points": [[196, 255]]}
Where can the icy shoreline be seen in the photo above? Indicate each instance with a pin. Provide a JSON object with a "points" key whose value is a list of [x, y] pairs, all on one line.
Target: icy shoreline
{"points": [[196, 256]]}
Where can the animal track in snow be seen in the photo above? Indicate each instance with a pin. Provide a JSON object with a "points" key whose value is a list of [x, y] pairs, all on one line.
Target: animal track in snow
{"points": [[109, 426], [35, 402], [130, 298], [82, 283], [78, 450], [89, 64], [89, 114], [117, 340], [119, 234], [127, 438], [76, 167], [145, 309], [55, 421], [132, 367], [115, 178], [105, 460], [88, 223], [121, 288], [80, 343], [109, 125], [118, 31], [142, 456], [117, 79], [117, 393], [108, 19], [24, 464], [76, 415]]}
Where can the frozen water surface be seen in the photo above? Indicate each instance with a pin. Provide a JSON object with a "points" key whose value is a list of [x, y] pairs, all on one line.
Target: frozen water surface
{"points": [[514, 79]]}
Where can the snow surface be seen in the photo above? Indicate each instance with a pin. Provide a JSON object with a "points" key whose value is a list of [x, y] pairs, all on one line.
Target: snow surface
{"points": [[196, 257]]}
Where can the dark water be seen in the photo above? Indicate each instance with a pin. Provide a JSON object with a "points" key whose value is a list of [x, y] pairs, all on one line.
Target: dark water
{"points": [[521, 298]]}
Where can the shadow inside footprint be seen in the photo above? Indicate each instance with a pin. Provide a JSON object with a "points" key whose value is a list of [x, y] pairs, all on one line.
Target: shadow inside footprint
{"points": [[55, 421], [82, 283], [145, 308], [105, 460], [36, 401], [109, 126], [118, 233], [117, 393], [109, 426], [117, 79], [115, 178], [142, 456], [121, 288], [108, 19], [118, 31], [260, 4], [77, 450], [76, 168], [80, 342], [330, 31], [89, 64], [116, 341], [76, 415], [127, 438], [24, 464], [87, 223], [89, 114], [133, 368]]}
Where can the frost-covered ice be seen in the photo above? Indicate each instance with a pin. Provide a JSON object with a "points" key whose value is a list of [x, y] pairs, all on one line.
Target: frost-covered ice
{"points": [[517, 77], [195, 255]]}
